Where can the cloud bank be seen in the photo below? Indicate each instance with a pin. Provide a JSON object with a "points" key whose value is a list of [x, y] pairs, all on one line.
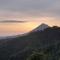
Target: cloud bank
{"points": [[29, 8]]}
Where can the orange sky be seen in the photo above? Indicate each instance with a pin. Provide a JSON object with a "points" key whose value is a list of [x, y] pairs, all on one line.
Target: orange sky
{"points": [[16, 28], [24, 27]]}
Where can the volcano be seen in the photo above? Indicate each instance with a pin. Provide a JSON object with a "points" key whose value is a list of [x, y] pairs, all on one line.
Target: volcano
{"points": [[41, 27]]}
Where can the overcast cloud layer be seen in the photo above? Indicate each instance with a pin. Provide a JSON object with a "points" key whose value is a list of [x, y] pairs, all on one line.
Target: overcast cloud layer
{"points": [[29, 8]]}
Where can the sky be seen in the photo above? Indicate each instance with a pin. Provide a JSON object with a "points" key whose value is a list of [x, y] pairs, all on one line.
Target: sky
{"points": [[32, 11]]}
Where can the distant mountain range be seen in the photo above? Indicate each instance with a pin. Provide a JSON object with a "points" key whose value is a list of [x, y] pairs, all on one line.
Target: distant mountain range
{"points": [[20, 47]]}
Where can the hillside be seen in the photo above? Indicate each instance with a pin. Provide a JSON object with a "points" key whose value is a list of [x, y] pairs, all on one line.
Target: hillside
{"points": [[21, 47]]}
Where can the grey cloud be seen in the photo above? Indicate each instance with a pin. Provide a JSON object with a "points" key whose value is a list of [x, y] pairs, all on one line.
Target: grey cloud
{"points": [[12, 21], [22, 5], [33, 7]]}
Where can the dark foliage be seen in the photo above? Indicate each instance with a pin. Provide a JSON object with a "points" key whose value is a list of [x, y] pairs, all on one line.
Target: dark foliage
{"points": [[20, 48]]}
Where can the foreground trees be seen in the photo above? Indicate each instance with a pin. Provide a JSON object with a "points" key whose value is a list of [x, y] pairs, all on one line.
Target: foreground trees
{"points": [[47, 54]]}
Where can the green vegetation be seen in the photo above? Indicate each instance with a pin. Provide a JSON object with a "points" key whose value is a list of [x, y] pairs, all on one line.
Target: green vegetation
{"points": [[42, 55]]}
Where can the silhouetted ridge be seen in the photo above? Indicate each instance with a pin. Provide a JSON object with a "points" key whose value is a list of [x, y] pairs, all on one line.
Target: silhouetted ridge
{"points": [[19, 48]]}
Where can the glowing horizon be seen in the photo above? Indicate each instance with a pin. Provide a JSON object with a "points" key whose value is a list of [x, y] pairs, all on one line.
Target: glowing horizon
{"points": [[21, 16], [20, 28]]}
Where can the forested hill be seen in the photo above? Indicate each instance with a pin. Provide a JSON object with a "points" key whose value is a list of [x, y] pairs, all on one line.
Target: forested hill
{"points": [[21, 47]]}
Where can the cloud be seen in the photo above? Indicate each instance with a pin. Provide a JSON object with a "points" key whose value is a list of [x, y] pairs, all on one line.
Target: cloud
{"points": [[31, 8], [12, 21]]}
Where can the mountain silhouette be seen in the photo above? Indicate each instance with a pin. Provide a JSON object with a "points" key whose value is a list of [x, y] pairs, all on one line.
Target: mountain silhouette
{"points": [[41, 27], [20, 47]]}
